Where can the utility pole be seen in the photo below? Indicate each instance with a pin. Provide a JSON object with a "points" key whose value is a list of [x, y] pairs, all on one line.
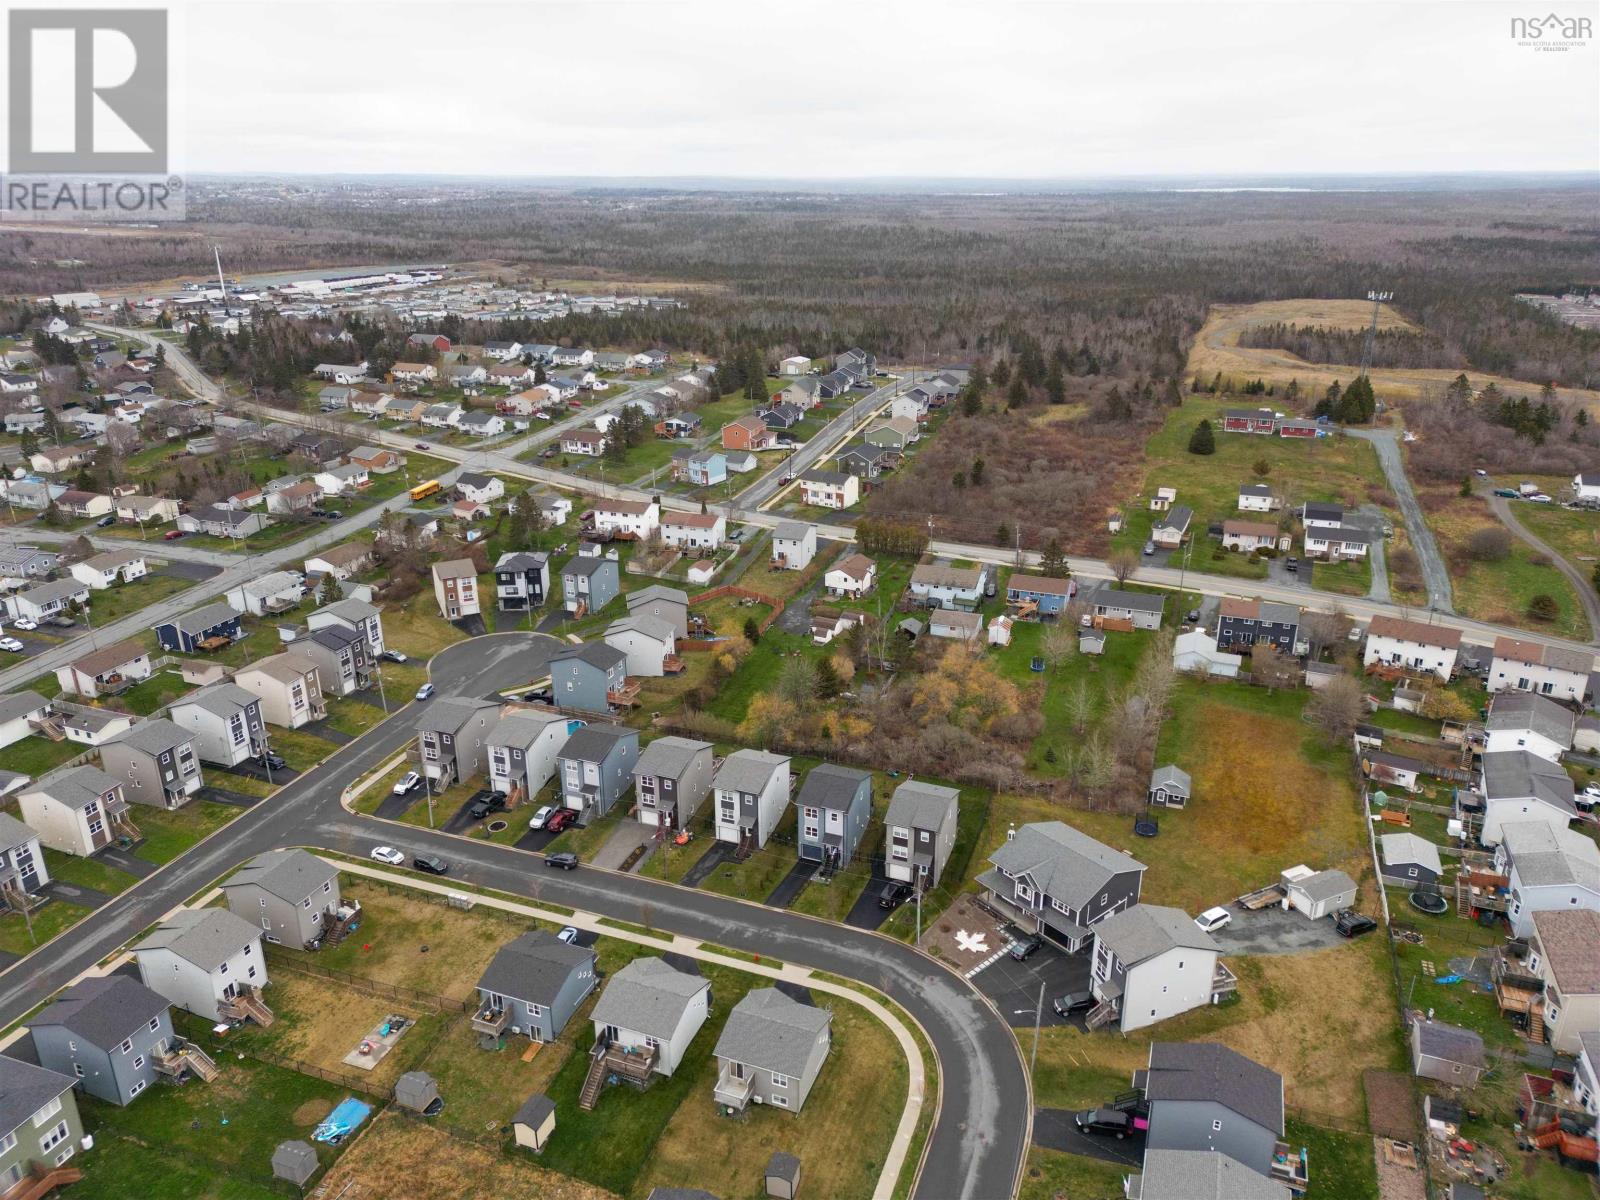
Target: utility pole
{"points": [[1038, 1019], [1378, 300]]}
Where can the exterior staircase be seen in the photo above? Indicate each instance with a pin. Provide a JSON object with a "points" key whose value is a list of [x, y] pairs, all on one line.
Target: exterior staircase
{"points": [[247, 1006], [1101, 1014], [42, 1182], [186, 1056], [592, 1083], [1536, 1023], [747, 844]]}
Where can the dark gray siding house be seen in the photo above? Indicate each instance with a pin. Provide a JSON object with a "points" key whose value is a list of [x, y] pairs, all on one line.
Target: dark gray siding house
{"points": [[184, 634], [1060, 881], [1409, 861], [1245, 624], [1203, 1096], [921, 824], [671, 780], [532, 987], [589, 582], [108, 1033], [835, 805], [292, 895]]}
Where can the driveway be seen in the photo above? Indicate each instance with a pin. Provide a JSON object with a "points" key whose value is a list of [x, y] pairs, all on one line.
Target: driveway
{"points": [[251, 769], [1014, 986], [1434, 572], [1273, 931], [865, 912], [792, 884], [462, 820], [716, 854], [1053, 1129], [197, 572], [222, 796], [1370, 517], [1302, 577]]}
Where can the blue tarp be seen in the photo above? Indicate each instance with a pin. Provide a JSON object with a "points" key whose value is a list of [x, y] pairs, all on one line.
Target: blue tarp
{"points": [[342, 1120]]}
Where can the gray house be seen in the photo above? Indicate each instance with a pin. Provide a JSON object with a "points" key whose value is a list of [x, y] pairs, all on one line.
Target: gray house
{"points": [[588, 583], [39, 1124], [22, 868], [835, 806], [922, 830], [344, 663], [225, 722], [664, 603], [521, 580], [771, 1050], [595, 768], [1170, 786], [1203, 1096], [585, 676], [1143, 611], [111, 1033], [1059, 881], [671, 780], [1409, 861], [1195, 1174], [156, 763], [291, 894], [452, 737], [1447, 1053], [532, 987]]}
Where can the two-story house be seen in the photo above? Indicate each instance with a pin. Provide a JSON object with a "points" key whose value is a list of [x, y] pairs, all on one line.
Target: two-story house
{"points": [[1520, 786], [40, 1129], [830, 489], [1053, 878], [666, 604], [22, 867], [794, 545], [1244, 624], [1411, 645], [589, 676], [453, 739], [594, 768], [835, 807], [636, 519], [771, 1051], [588, 583], [288, 686], [921, 832], [646, 1018], [670, 780], [292, 895], [523, 747], [1151, 962], [107, 671], [851, 577], [694, 531], [1549, 870], [225, 722], [1524, 666], [1258, 497], [157, 763], [101, 571], [114, 1036], [480, 488], [1531, 722], [940, 586], [532, 987], [1561, 952], [1206, 1097], [455, 587], [80, 811], [752, 790], [355, 615], [341, 655], [209, 962], [648, 643], [521, 580]]}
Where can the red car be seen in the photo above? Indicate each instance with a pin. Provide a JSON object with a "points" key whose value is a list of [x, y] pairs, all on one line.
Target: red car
{"points": [[560, 819], [173, 535]]}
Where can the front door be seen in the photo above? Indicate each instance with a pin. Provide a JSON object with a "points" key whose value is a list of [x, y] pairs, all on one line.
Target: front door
{"points": [[230, 991], [611, 1034]]}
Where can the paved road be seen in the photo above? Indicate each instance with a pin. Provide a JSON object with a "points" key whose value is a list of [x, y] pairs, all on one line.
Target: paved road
{"points": [[154, 548], [822, 443], [1434, 572], [1502, 508], [980, 1137]]}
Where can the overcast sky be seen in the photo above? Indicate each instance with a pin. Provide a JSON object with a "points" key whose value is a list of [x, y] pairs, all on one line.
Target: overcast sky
{"points": [[798, 89]]}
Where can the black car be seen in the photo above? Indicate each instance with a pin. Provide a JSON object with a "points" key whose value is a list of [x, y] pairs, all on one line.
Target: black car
{"points": [[567, 862], [490, 804], [333, 514], [431, 863], [1291, 564], [1072, 1002], [1349, 923], [894, 895], [269, 759], [1026, 947], [1108, 1122]]}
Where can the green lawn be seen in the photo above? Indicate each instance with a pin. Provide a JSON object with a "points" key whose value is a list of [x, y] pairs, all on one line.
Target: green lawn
{"points": [[1443, 938], [1340, 1164], [47, 922], [1353, 577], [755, 878], [168, 834], [355, 717], [114, 603], [146, 696], [37, 755], [87, 872], [1052, 1175]]}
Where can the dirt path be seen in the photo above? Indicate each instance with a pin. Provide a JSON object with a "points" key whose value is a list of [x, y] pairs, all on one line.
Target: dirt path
{"points": [[1434, 572], [1584, 587]]}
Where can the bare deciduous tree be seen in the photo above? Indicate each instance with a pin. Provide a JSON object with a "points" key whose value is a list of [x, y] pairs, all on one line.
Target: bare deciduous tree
{"points": [[1272, 669], [1337, 707], [1123, 564]]}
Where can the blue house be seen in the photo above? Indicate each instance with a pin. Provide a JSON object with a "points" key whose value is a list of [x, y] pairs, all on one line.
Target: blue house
{"points": [[1050, 596], [589, 582], [835, 805], [200, 629], [585, 676], [594, 768]]}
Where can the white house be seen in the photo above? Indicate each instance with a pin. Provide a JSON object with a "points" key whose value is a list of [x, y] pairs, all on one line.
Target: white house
{"points": [[648, 642], [694, 531], [1531, 722], [46, 599], [1412, 645], [1586, 486], [632, 518], [794, 545], [1519, 786], [854, 577], [1151, 962], [653, 1010], [523, 747], [827, 489], [19, 713], [206, 961], [101, 571], [1339, 542], [1551, 870], [750, 793], [266, 595], [1197, 651], [1525, 666], [411, 372], [1258, 497], [797, 364], [941, 586], [479, 488], [1561, 951], [343, 480]]}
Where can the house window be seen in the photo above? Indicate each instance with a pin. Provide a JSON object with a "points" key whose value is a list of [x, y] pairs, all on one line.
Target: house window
{"points": [[1216, 1126], [8, 1143], [138, 1063], [781, 1101], [155, 1024], [57, 1135], [77, 1069], [263, 901], [1025, 894], [306, 903], [137, 1088], [779, 1081], [127, 1046]]}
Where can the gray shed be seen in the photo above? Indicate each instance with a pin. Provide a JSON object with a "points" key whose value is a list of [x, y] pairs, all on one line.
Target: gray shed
{"points": [[535, 1121], [783, 1176], [418, 1091], [295, 1161]]}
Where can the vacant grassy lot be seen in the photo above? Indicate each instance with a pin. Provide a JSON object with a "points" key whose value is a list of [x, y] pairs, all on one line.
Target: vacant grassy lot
{"points": [[1050, 1174], [417, 629], [169, 834], [47, 922], [86, 872], [212, 1140], [114, 603], [1342, 1166]]}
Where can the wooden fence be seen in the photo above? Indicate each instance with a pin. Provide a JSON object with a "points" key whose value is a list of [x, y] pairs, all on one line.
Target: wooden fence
{"points": [[372, 987]]}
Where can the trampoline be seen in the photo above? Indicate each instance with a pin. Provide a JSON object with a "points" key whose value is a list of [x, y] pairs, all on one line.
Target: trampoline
{"points": [[1431, 903]]}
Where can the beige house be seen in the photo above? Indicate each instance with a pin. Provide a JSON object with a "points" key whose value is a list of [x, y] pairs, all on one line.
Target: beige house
{"points": [[81, 811], [342, 562], [1564, 951], [106, 671], [287, 686], [455, 587]]}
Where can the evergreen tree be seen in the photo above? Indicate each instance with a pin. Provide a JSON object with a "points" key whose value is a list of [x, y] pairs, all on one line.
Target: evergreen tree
{"points": [[1053, 561], [1017, 393], [752, 631], [1055, 385], [1002, 535], [1002, 373], [975, 472], [971, 400], [1172, 395], [1202, 440], [330, 591], [30, 443]]}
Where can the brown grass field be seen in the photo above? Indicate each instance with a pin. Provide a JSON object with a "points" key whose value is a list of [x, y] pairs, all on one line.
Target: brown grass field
{"points": [[320, 1021], [1216, 349]]}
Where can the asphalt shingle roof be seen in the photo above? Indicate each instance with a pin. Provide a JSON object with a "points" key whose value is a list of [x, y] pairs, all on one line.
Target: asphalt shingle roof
{"points": [[220, 699], [1206, 1071], [1544, 856], [206, 617], [1147, 930], [13, 833], [1203, 1175], [668, 757], [206, 937], [1525, 710], [25, 1089], [290, 875], [1514, 774], [772, 1031], [1450, 1042], [534, 967], [1406, 849], [747, 771], [648, 996], [830, 786], [155, 736], [1064, 863], [104, 1010], [593, 743], [921, 805]]}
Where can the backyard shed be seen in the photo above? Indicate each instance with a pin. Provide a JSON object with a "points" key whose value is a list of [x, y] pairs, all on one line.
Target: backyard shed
{"points": [[295, 1161], [418, 1091], [1317, 893], [1447, 1053], [535, 1121], [1170, 786], [783, 1176], [1409, 861]]}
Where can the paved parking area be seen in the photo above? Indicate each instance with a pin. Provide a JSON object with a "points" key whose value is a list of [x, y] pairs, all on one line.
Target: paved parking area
{"points": [[792, 884], [1014, 986], [462, 820], [198, 572], [1273, 931], [1054, 1130], [865, 912], [251, 769]]}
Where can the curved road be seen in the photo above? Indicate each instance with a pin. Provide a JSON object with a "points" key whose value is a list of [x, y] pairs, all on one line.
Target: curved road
{"points": [[1584, 587], [980, 1137]]}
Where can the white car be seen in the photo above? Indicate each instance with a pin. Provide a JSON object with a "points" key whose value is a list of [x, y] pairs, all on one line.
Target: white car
{"points": [[1213, 919], [25, 623], [568, 934], [406, 782], [1481, 473], [387, 854], [11, 644], [1539, 498], [539, 818], [425, 691]]}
